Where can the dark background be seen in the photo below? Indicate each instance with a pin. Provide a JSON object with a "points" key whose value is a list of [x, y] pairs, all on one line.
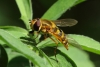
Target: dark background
{"points": [[87, 14]]}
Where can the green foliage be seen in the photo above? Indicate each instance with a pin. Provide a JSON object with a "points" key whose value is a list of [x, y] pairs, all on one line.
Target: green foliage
{"points": [[53, 13], [87, 43], [16, 42]]}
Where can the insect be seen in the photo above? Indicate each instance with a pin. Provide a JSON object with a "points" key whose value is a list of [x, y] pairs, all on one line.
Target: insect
{"points": [[49, 27]]}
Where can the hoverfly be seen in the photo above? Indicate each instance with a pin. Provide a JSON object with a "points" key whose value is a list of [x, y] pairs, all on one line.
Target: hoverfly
{"points": [[49, 27]]}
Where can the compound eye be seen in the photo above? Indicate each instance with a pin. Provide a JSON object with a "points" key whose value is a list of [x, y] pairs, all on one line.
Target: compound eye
{"points": [[37, 24]]}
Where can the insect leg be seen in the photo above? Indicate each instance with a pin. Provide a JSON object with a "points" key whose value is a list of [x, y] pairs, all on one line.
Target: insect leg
{"points": [[55, 51], [45, 36], [53, 40], [31, 33]]}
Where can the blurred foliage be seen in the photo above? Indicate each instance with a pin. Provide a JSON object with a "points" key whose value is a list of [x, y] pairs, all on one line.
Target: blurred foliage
{"points": [[14, 17]]}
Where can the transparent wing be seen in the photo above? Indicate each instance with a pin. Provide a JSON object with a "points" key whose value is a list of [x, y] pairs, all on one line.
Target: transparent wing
{"points": [[72, 42], [65, 22]]}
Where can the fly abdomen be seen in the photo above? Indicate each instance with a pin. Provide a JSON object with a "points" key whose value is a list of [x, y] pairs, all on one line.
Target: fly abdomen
{"points": [[63, 39], [65, 42]]}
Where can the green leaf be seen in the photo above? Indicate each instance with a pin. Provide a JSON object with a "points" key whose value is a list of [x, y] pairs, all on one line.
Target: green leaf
{"points": [[16, 31], [45, 57], [58, 8], [45, 43], [63, 59], [17, 45], [78, 56], [79, 1], [12, 54], [25, 8], [87, 43]]}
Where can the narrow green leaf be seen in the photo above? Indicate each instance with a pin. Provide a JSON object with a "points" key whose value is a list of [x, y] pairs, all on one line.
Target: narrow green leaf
{"points": [[46, 57], [45, 43], [16, 31], [63, 59], [87, 43], [79, 1], [79, 57], [25, 8], [58, 8], [17, 45], [12, 54]]}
